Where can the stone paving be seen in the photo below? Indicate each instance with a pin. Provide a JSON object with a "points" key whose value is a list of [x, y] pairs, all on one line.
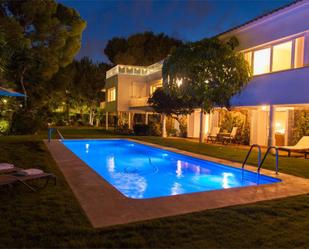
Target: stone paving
{"points": [[105, 206]]}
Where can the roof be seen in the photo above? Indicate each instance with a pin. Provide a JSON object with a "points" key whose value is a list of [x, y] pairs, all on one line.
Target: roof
{"points": [[260, 17]]}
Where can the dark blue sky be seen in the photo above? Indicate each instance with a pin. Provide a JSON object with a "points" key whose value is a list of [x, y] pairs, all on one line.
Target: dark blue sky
{"points": [[186, 20]]}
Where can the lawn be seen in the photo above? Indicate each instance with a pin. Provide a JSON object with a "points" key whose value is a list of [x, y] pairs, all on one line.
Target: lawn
{"points": [[53, 217]]}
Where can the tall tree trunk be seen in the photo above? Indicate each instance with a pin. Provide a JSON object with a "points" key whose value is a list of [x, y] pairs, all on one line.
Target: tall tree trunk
{"points": [[201, 139], [68, 111], [23, 86]]}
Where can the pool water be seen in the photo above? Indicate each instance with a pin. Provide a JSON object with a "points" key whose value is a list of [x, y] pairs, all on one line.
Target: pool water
{"points": [[140, 171]]}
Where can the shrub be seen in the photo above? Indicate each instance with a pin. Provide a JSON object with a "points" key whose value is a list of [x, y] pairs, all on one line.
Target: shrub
{"points": [[123, 129], [25, 122], [155, 129], [4, 126], [141, 129], [301, 127]]}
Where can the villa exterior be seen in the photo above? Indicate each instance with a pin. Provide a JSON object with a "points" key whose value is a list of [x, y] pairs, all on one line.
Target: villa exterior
{"points": [[127, 91], [276, 46]]}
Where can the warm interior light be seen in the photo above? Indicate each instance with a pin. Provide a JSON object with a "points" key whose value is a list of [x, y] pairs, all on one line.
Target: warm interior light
{"points": [[282, 56], [299, 52], [261, 62], [179, 82], [280, 122], [263, 107]]}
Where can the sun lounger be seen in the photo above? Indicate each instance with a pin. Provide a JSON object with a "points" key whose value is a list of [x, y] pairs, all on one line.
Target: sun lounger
{"points": [[301, 147], [230, 137], [8, 168], [213, 135], [24, 178]]}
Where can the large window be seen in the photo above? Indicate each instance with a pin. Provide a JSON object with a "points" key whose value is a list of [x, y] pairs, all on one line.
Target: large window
{"points": [[282, 56], [111, 94], [277, 58], [299, 52], [261, 61]]}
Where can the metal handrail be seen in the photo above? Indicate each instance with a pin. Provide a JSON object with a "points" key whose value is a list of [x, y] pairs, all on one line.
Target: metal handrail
{"points": [[249, 152], [277, 158], [50, 132]]}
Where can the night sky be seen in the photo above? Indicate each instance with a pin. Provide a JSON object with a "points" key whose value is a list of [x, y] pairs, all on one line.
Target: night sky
{"points": [[185, 20]]}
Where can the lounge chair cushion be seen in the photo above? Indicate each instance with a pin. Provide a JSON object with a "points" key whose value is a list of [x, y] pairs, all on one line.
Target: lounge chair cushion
{"points": [[29, 172], [5, 166], [303, 144]]}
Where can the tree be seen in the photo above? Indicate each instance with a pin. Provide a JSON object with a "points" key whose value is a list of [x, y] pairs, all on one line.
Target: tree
{"points": [[44, 36], [89, 80], [142, 49], [207, 73], [170, 105]]}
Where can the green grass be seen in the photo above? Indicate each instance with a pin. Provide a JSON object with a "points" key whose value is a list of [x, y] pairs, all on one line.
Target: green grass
{"points": [[52, 218]]}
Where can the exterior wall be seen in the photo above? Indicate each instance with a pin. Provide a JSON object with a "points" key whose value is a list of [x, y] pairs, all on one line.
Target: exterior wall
{"points": [[193, 126], [110, 83], [287, 87], [129, 87], [125, 90], [283, 23]]}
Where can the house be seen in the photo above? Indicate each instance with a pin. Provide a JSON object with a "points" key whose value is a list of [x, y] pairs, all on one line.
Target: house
{"points": [[127, 91], [276, 46]]}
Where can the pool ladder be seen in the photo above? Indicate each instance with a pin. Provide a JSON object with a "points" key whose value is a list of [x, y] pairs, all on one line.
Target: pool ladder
{"points": [[261, 162], [50, 133]]}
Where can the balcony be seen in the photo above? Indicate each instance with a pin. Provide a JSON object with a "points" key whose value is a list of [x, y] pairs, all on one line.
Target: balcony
{"points": [[138, 102], [134, 70]]}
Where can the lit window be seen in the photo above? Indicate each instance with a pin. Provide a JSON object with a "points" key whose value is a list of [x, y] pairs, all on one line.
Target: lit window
{"points": [[282, 56], [111, 94], [155, 86], [299, 52], [261, 61], [248, 58]]}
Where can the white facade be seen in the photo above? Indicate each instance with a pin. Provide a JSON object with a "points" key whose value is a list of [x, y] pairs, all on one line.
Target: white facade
{"points": [[271, 97]]}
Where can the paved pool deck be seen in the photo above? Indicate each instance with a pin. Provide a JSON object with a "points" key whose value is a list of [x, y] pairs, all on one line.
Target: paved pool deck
{"points": [[105, 206]]}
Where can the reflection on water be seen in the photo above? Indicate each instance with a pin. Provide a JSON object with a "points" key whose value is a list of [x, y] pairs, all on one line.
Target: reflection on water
{"points": [[87, 148], [225, 180], [110, 163], [179, 169], [176, 189], [133, 185]]}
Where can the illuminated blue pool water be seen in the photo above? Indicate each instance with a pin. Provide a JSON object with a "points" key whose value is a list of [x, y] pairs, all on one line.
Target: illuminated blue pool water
{"points": [[141, 171]]}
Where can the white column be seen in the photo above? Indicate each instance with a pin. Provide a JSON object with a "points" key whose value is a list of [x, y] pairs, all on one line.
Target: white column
{"points": [[271, 125], [164, 125], [129, 121], [202, 128], [106, 120], [146, 118]]}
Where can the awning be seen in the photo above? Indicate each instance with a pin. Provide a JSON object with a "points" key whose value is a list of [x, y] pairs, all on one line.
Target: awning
{"points": [[9, 93]]}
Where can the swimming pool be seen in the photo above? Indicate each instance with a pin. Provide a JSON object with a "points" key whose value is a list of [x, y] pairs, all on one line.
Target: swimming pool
{"points": [[140, 171]]}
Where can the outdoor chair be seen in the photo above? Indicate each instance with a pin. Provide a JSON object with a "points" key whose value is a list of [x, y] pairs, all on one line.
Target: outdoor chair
{"points": [[302, 146], [230, 137], [21, 176], [213, 135]]}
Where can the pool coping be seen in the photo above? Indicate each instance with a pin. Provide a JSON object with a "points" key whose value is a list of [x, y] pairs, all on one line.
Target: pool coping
{"points": [[105, 206]]}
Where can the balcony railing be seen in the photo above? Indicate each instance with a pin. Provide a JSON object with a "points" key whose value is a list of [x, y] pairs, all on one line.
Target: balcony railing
{"points": [[138, 102], [134, 70]]}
